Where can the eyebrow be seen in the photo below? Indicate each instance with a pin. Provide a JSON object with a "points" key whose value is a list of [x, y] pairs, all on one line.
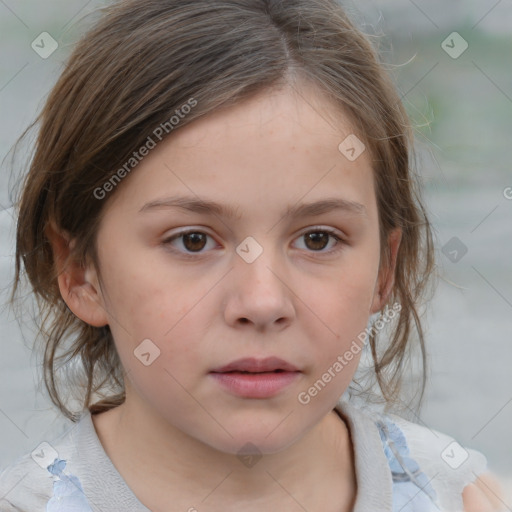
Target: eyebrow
{"points": [[204, 206]]}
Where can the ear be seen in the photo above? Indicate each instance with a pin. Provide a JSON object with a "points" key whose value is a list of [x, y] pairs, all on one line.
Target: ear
{"points": [[386, 278], [79, 285]]}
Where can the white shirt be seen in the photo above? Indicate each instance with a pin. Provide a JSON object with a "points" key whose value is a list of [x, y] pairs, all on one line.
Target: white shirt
{"points": [[383, 485]]}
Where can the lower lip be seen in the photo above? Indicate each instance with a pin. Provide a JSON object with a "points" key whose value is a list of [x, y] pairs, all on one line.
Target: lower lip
{"points": [[256, 385]]}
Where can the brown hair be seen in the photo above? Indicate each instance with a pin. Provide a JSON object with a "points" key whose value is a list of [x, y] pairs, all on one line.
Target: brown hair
{"points": [[141, 62]]}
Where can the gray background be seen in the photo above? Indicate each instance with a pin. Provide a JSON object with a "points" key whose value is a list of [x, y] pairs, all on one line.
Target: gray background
{"points": [[462, 110]]}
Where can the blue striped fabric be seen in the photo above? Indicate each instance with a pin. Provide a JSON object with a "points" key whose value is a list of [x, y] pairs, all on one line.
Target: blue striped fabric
{"points": [[412, 491]]}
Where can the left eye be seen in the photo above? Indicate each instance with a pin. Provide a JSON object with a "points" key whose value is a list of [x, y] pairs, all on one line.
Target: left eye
{"points": [[195, 241], [318, 239]]}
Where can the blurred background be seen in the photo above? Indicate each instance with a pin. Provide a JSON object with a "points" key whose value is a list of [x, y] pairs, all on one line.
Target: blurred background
{"points": [[452, 62]]}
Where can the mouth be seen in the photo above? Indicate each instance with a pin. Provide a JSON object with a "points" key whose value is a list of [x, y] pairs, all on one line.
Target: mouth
{"points": [[256, 378], [253, 365]]}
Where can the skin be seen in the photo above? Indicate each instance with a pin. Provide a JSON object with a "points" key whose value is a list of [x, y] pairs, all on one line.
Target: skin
{"points": [[484, 495], [303, 302]]}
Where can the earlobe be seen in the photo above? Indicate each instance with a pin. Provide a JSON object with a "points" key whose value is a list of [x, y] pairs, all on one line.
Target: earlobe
{"points": [[79, 286], [386, 278]]}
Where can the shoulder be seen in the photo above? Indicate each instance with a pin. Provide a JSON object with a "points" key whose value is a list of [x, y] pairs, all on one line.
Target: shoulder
{"points": [[427, 469], [457, 475], [27, 484]]}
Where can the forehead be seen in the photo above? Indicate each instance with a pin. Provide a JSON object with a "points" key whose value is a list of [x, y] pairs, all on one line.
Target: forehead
{"points": [[281, 113], [279, 146]]}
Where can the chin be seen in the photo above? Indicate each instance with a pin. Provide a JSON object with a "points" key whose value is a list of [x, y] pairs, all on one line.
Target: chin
{"points": [[257, 444], [254, 433]]}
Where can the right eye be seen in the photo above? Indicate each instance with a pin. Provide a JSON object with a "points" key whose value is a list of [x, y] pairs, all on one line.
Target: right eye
{"points": [[192, 240]]}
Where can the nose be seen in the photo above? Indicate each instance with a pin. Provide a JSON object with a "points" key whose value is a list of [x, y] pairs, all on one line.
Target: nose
{"points": [[259, 293]]}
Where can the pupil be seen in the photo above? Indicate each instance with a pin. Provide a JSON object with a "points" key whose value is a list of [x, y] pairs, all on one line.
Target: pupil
{"points": [[195, 238], [315, 237]]}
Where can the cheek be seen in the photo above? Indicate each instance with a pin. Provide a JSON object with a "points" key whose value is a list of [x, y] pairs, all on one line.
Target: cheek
{"points": [[156, 339], [343, 305], [145, 304], [347, 299], [140, 288]]}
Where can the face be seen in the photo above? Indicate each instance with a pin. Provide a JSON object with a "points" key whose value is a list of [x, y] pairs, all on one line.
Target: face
{"points": [[228, 318]]}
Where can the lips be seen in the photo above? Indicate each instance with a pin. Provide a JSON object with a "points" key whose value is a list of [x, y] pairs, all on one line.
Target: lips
{"points": [[253, 365], [256, 378]]}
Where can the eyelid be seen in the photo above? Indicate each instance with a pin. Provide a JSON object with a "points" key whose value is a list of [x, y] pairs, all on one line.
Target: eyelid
{"points": [[327, 229]]}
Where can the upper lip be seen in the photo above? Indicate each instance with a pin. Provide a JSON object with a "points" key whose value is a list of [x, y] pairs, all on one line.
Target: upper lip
{"points": [[254, 365]]}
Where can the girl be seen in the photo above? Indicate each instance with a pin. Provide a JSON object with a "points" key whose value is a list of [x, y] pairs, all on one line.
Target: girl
{"points": [[219, 202]]}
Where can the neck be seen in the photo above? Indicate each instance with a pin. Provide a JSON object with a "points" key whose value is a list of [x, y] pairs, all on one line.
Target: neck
{"points": [[316, 473]]}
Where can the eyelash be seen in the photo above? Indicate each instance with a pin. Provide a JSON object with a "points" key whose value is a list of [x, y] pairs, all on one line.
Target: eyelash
{"points": [[340, 242]]}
